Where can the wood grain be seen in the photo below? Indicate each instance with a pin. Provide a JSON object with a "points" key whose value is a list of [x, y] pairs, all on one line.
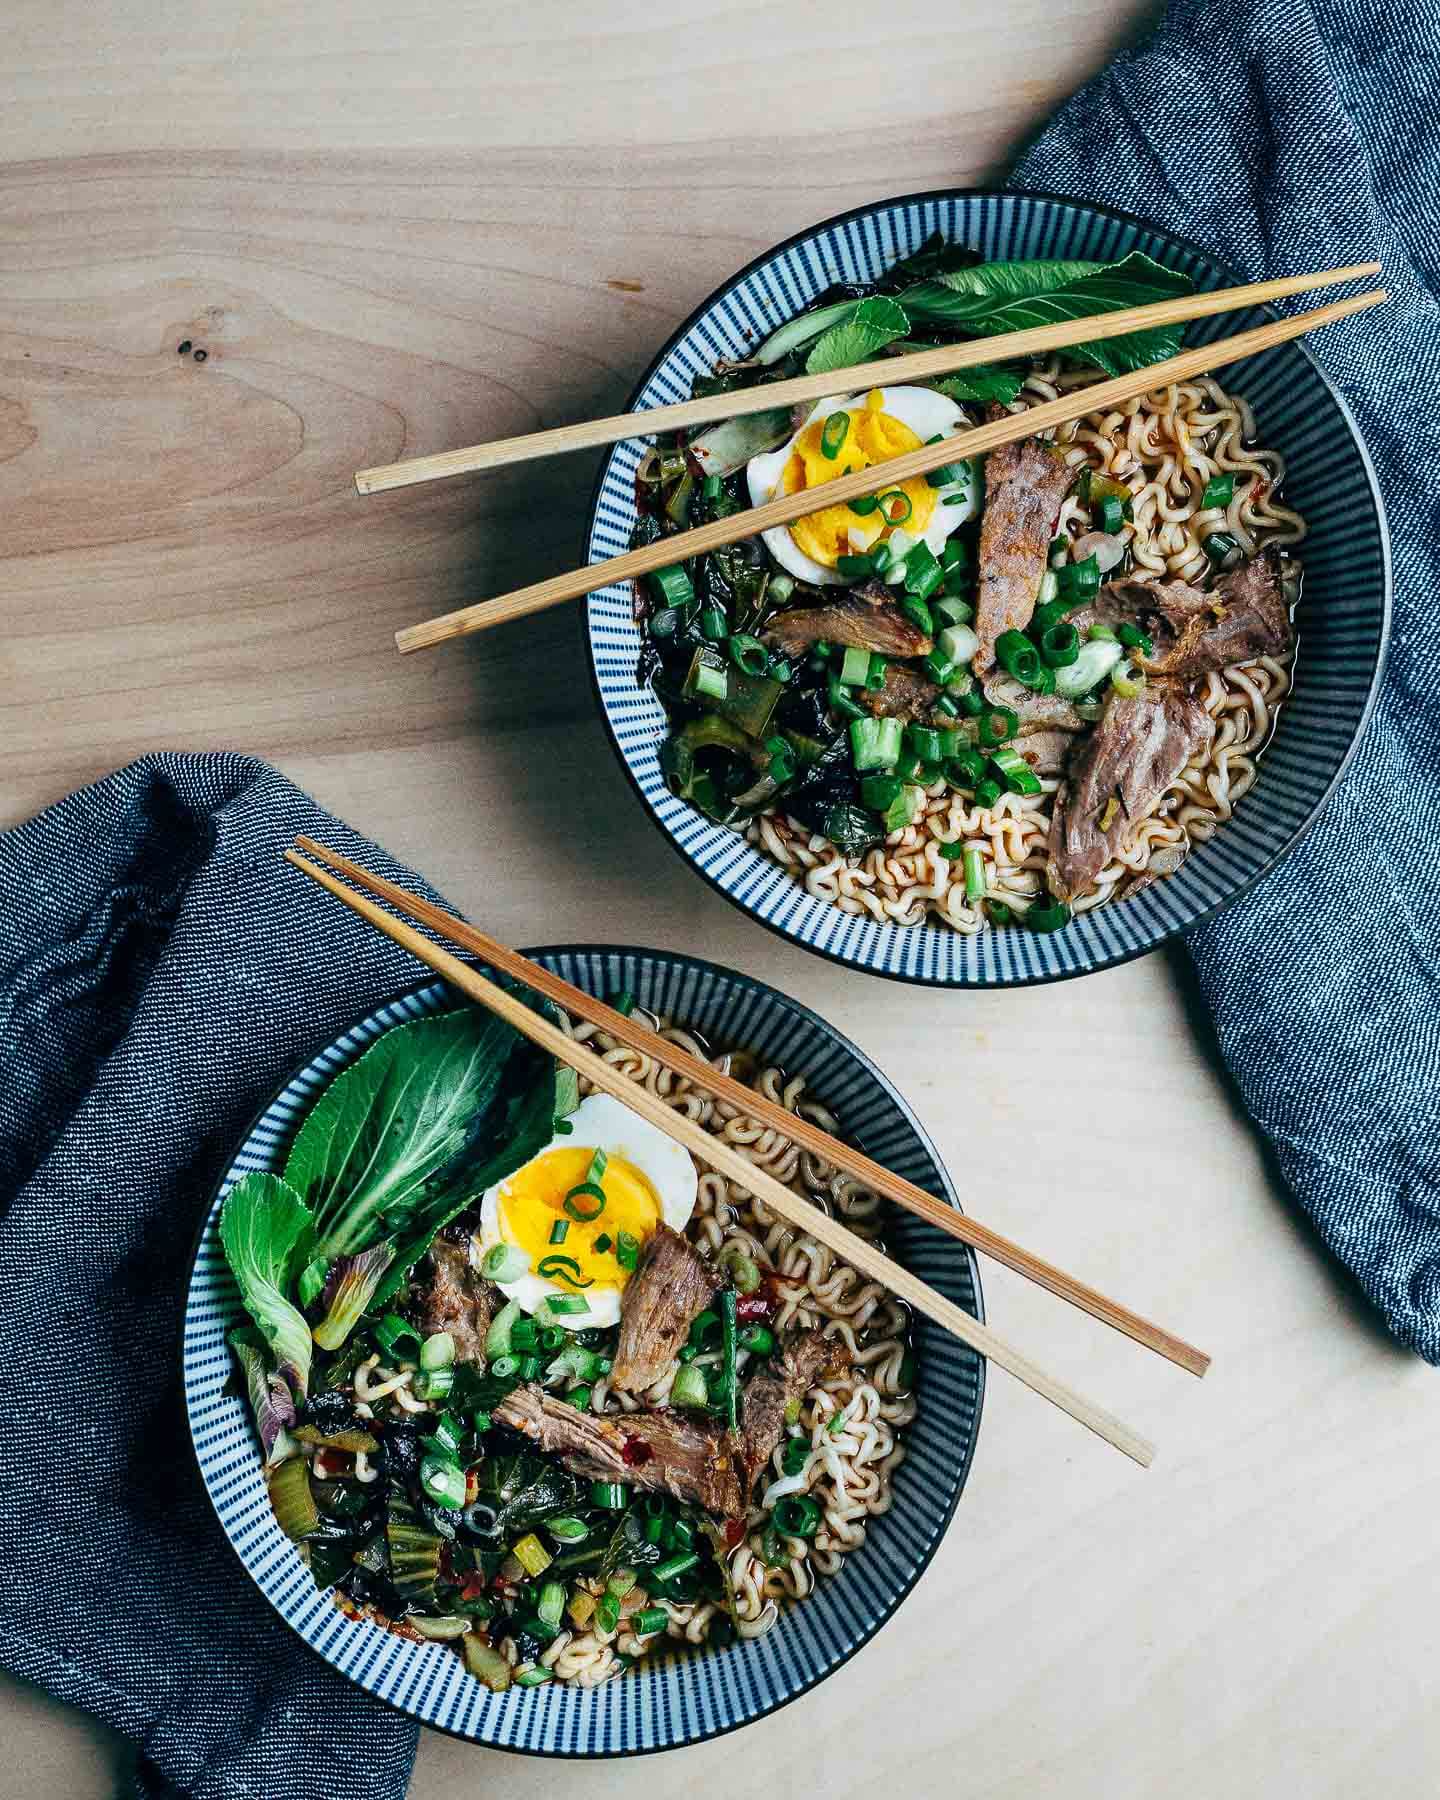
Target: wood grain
{"points": [[400, 231]]}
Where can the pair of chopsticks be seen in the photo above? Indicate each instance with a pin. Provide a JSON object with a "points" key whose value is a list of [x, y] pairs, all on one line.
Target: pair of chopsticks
{"points": [[917, 366], [719, 1155]]}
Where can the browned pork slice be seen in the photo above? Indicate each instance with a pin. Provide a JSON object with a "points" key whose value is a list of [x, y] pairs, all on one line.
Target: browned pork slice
{"points": [[906, 695], [1192, 632], [1036, 712], [1116, 777], [860, 619], [458, 1300], [684, 1457], [669, 1289], [1024, 486], [794, 1369]]}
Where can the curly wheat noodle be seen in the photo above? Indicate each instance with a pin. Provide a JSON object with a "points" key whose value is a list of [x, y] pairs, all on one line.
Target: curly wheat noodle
{"points": [[848, 1471], [1164, 446]]}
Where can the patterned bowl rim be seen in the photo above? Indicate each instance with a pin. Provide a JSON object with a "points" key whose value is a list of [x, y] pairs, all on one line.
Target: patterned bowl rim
{"points": [[680, 959], [1095, 963]]}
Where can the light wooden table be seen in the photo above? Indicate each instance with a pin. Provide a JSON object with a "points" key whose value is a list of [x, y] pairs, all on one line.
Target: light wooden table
{"points": [[396, 230]]}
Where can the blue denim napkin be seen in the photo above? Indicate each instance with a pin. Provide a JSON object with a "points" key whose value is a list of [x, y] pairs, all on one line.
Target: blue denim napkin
{"points": [[161, 970], [1286, 135]]}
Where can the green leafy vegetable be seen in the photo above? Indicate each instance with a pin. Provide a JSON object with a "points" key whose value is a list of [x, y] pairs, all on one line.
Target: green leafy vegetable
{"points": [[999, 297], [521, 1490], [803, 329], [982, 384], [268, 1233], [872, 325], [434, 1113], [270, 1398], [387, 1128], [728, 446]]}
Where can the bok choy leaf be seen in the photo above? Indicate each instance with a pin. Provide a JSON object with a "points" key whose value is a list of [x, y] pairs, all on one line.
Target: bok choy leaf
{"points": [[268, 1233], [270, 1398]]}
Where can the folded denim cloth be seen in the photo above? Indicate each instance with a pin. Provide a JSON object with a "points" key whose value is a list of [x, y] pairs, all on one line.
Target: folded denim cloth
{"points": [[161, 970], [1286, 135]]}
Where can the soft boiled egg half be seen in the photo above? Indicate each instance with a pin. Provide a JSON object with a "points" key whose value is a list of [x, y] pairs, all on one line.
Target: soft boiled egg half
{"points": [[646, 1178], [885, 422]]}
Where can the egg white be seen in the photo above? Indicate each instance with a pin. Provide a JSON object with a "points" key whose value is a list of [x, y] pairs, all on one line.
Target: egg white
{"points": [[927, 414], [604, 1124]]}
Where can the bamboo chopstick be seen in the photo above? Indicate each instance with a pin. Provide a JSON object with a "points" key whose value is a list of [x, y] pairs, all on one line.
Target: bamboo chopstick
{"points": [[918, 365], [807, 1134], [729, 1162], [898, 469]]}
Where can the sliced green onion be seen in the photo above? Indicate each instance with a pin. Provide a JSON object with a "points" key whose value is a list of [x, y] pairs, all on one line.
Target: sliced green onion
{"points": [[741, 1267], [1135, 639], [713, 624], [946, 707], [996, 726], [797, 1515], [607, 1613], [586, 1191], [1112, 514], [1219, 491], [957, 642], [1060, 644], [708, 680], [747, 653], [875, 743], [1018, 657], [397, 1338], [648, 1620], [502, 1367], [565, 1306], [524, 1335], [923, 574], [664, 623], [497, 1339], [854, 666], [672, 585], [602, 1242], [759, 1340], [551, 1605], [779, 668], [611, 1496], [918, 613], [732, 1386], [1019, 777], [951, 611], [567, 1530], [781, 588], [974, 873], [690, 1387], [1128, 682], [875, 676], [562, 1268], [1097, 657], [443, 1481], [434, 1384], [833, 434], [529, 1368], [952, 852], [940, 668], [796, 1455], [953, 555], [531, 1554], [675, 1565], [580, 1397], [966, 767], [854, 568], [948, 473], [840, 700], [1047, 915], [559, 1231], [504, 1262], [627, 1250], [437, 1352], [891, 511], [536, 1677], [865, 505], [987, 792]]}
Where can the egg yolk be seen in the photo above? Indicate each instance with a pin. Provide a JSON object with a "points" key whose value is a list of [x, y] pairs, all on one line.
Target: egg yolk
{"points": [[534, 1198], [872, 436]]}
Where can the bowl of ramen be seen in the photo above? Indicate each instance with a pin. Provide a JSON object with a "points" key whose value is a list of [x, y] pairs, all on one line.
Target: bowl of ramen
{"points": [[1033, 714], [540, 1431]]}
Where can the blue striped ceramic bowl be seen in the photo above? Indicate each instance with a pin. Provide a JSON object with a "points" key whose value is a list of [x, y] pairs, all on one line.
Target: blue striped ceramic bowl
{"points": [[1343, 620], [676, 1699]]}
